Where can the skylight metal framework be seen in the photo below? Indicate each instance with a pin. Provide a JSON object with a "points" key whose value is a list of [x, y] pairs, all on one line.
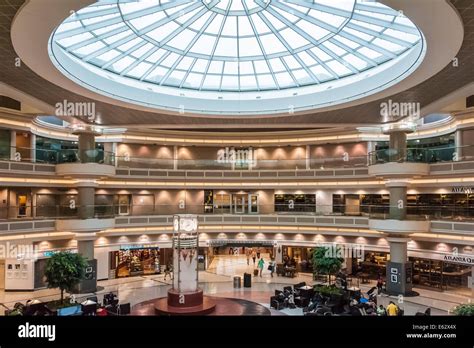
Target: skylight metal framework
{"points": [[236, 45]]}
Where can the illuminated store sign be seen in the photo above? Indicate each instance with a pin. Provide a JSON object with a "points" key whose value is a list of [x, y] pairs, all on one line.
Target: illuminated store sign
{"points": [[459, 259], [463, 189]]}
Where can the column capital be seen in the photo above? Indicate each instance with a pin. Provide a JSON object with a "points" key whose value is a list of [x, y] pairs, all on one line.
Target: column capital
{"points": [[397, 239], [403, 127], [398, 183], [84, 236], [86, 183]]}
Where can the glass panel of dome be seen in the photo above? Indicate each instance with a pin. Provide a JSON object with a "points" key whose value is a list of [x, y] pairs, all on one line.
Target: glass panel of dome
{"points": [[246, 68], [369, 53], [122, 64], [117, 37], [139, 70], [175, 78], [249, 47], [193, 81], [185, 63], [402, 35], [245, 28], [145, 21], [83, 51], [284, 79], [266, 82], [156, 56], [157, 74], [212, 82], [291, 62], [138, 53], [215, 67], [260, 26], [67, 42], [261, 67], [110, 29], [321, 54], [306, 58], [271, 44], [226, 47], [317, 32], [183, 39], [356, 61], [321, 73], [204, 45], [293, 39], [388, 45], [277, 65], [230, 82], [248, 82], [339, 68], [231, 68], [200, 65]]}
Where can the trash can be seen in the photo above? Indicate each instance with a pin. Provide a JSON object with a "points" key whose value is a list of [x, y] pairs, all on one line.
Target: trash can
{"points": [[247, 280], [237, 282]]}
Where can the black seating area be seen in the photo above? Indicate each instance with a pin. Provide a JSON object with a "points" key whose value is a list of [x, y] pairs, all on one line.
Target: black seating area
{"points": [[323, 300], [88, 307]]}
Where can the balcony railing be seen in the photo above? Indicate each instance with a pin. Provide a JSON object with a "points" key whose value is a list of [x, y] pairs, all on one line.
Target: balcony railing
{"points": [[99, 156], [419, 155], [38, 155], [70, 211]]}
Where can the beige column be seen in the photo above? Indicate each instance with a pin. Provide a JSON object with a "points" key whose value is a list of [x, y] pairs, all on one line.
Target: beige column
{"points": [[86, 143], [12, 144]]}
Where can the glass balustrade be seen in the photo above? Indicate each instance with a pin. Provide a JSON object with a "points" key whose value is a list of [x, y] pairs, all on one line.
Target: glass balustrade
{"points": [[420, 155], [99, 156], [66, 211]]}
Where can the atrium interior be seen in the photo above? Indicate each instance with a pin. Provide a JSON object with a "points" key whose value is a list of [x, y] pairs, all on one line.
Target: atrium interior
{"points": [[237, 157]]}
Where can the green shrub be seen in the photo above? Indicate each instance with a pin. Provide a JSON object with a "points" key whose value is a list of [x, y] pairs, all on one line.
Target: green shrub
{"points": [[465, 309]]}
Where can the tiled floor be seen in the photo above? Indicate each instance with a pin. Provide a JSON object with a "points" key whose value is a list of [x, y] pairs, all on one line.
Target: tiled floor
{"points": [[217, 281]]}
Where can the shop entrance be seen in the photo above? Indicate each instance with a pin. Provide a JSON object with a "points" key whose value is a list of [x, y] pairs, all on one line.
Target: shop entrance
{"points": [[123, 204], [134, 261], [22, 204], [245, 203]]}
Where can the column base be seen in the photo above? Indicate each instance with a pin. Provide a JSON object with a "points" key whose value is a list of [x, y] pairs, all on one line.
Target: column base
{"points": [[399, 279], [89, 284], [187, 303]]}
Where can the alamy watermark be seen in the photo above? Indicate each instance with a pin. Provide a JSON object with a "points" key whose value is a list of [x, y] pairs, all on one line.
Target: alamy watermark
{"points": [[350, 250], [18, 251], [393, 111], [76, 109], [230, 155]]}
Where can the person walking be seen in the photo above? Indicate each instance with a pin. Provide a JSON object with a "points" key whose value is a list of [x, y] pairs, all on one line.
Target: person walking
{"points": [[254, 256], [271, 267], [247, 255], [379, 284], [258, 253], [260, 266], [167, 271]]}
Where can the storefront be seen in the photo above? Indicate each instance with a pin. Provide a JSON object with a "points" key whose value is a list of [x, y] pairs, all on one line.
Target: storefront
{"points": [[448, 273], [433, 271], [301, 256], [135, 260]]}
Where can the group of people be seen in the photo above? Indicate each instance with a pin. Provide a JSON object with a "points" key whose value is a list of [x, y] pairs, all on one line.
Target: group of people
{"points": [[392, 310], [256, 255]]}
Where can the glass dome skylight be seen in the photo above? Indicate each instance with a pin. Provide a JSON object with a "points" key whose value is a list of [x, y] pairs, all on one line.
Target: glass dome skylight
{"points": [[237, 56]]}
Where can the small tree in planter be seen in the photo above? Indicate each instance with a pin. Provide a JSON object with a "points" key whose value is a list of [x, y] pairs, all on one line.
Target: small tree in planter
{"points": [[327, 261], [64, 270]]}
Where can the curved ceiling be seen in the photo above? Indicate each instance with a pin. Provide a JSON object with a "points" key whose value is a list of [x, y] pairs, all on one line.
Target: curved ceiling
{"points": [[215, 56], [38, 78]]}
